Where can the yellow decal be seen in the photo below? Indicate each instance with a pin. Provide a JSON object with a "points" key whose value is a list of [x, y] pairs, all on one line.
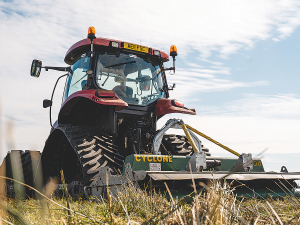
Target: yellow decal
{"points": [[153, 158], [134, 47], [256, 163]]}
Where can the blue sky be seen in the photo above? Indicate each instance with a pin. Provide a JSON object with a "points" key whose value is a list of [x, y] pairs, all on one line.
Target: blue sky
{"points": [[238, 66]]}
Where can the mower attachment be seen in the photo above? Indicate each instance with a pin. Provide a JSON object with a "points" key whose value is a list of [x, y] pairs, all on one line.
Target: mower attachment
{"points": [[198, 162]]}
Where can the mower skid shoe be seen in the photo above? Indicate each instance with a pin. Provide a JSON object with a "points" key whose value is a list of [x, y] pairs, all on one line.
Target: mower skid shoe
{"points": [[114, 183]]}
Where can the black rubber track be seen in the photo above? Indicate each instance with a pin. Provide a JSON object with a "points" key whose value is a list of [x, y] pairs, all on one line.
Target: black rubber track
{"points": [[179, 145], [94, 150], [24, 168]]}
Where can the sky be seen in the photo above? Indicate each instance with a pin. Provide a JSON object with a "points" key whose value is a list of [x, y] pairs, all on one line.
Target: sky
{"points": [[237, 65]]}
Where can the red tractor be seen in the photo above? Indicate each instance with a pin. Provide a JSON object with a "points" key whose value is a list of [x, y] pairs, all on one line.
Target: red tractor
{"points": [[114, 95]]}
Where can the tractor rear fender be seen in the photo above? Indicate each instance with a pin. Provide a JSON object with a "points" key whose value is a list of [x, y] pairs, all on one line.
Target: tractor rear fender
{"points": [[91, 107], [58, 154], [166, 106], [101, 97]]}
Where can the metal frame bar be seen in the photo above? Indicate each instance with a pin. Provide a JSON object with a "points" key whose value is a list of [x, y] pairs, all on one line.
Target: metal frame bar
{"points": [[212, 140]]}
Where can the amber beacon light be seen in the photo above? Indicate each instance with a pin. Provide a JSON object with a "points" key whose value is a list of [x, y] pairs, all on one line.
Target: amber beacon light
{"points": [[91, 33], [173, 51]]}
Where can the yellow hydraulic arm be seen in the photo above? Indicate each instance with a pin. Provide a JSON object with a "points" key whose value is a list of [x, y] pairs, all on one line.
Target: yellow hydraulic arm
{"points": [[185, 126]]}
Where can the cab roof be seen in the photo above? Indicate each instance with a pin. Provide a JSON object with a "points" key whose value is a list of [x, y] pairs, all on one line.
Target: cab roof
{"points": [[84, 46]]}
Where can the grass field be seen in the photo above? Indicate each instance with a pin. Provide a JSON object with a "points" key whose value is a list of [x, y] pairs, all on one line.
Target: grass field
{"points": [[214, 205]]}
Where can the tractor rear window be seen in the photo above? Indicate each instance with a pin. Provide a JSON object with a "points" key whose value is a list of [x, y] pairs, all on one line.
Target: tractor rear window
{"points": [[77, 80], [134, 80]]}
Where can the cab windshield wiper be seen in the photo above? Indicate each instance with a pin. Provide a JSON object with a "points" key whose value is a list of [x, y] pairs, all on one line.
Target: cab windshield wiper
{"points": [[79, 79], [119, 64]]}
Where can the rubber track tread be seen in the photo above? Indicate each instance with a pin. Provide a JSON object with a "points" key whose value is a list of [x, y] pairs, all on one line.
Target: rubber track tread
{"points": [[92, 161], [86, 150], [24, 167], [86, 143], [179, 145], [108, 143], [92, 154], [108, 150], [94, 150]]}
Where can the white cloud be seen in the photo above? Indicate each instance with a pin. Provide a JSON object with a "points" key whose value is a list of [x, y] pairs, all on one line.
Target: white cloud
{"points": [[46, 29], [192, 81], [225, 26], [253, 105]]}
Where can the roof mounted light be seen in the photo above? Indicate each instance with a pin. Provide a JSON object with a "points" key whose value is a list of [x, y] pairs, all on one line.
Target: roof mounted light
{"points": [[156, 52], [173, 51], [106, 94], [114, 44], [91, 33], [91, 36]]}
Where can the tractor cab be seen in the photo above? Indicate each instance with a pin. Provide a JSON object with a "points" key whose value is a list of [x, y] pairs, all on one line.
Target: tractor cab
{"points": [[135, 73], [110, 81], [135, 79]]}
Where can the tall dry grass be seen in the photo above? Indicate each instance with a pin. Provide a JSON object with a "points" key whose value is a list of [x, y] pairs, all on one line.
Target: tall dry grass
{"points": [[216, 204]]}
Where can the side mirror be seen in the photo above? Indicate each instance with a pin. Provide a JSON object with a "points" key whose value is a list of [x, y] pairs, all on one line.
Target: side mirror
{"points": [[36, 67], [47, 103]]}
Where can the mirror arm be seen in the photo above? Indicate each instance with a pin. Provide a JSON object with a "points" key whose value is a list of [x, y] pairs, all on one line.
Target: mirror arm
{"points": [[171, 68], [68, 69]]}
